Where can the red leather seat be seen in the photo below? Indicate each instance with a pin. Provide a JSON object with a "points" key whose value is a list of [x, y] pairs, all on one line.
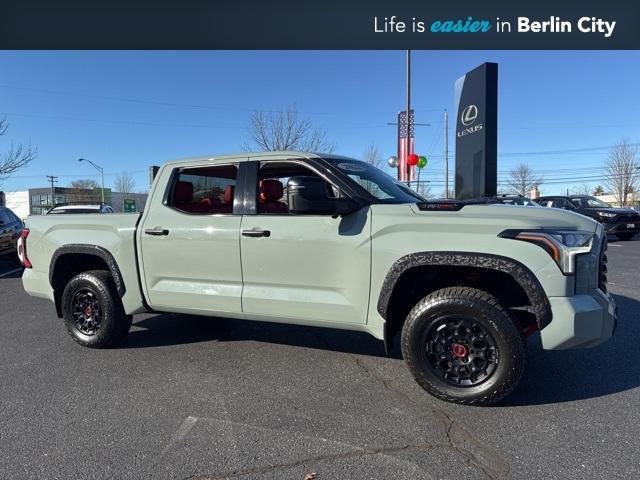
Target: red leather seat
{"points": [[271, 192], [183, 196], [227, 199]]}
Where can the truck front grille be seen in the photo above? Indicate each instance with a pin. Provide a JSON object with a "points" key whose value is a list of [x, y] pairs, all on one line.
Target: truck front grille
{"points": [[602, 267]]}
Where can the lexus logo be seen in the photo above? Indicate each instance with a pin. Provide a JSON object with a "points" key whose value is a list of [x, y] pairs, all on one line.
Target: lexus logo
{"points": [[469, 115]]}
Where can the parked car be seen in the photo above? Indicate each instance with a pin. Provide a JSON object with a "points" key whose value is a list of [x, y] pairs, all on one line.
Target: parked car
{"points": [[80, 208], [463, 282], [622, 222], [10, 230], [516, 200]]}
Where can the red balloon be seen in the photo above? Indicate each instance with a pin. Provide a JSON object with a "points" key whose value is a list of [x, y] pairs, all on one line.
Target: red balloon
{"points": [[412, 160]]}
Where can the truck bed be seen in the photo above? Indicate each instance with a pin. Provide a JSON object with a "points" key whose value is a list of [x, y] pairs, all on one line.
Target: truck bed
{"points": [[115, 233]]}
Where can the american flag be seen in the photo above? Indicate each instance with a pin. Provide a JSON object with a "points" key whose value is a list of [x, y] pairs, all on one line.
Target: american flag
{"points": [[402, 145]]}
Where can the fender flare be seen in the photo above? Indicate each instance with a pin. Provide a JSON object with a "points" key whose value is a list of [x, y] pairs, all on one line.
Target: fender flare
{"points": [[94, 250], [540, 305]]}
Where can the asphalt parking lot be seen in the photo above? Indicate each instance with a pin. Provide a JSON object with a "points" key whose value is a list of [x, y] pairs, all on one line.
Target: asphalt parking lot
{"points": [[196, 398]]}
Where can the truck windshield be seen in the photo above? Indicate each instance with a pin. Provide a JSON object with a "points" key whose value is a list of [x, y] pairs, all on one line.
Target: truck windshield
{"points": [[375, 181]]}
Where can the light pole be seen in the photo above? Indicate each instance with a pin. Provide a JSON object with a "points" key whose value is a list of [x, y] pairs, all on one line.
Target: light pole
{"points": [[100, 169]]}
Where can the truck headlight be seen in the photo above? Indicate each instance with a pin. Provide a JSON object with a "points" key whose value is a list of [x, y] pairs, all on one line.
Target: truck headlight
{"points": [[606, 214], [561, 245]]}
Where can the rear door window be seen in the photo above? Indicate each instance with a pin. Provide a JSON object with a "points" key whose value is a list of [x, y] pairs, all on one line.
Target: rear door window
{"points": [[204, 190]]}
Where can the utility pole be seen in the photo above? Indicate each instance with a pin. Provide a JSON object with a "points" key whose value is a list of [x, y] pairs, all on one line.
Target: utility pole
{"points": [[52, 179], [408, 142], [446, 154]]}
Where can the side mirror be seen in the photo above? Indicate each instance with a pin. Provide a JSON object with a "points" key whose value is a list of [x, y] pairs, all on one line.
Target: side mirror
{"points": [[310, 196]]}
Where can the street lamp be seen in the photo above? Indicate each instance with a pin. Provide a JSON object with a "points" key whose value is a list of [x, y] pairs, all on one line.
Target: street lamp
{"points": [[100, 169]]}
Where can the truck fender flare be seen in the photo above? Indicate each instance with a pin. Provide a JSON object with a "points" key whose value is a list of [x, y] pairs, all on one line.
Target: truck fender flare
{"points": [[95, 251], [540, 305]]}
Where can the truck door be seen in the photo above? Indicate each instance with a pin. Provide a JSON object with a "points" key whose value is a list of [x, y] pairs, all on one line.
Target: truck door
{"points": [[189, 242], [305, 267]]}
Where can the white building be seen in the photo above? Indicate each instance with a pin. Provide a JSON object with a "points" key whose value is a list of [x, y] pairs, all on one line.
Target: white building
{"points": [[612, 200], [18, 202]]}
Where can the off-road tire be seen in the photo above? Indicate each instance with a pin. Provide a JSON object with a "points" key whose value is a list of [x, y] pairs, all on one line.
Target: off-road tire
{"points": [[625, 236], [114, 323], [484, 309]]}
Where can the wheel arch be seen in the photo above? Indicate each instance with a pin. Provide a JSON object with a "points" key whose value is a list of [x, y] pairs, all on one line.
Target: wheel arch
{"points": [[71, 259], [424, 272]]}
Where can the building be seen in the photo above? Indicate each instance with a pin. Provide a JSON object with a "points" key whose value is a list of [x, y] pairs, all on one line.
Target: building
{"points": [[18, 202], [613, 200], [36, 201]]}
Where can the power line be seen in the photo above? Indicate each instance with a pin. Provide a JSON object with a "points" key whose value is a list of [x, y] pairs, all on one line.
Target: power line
{"points": [[188, 105], [158, 124]]}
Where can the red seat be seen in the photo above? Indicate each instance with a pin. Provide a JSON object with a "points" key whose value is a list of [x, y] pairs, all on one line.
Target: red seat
{"points": [[227, 199], [183, 196], [183, 199], [271, 192]]}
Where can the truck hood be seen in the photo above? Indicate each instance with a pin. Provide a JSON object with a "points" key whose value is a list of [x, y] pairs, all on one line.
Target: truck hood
{"points": [[497, 216]]}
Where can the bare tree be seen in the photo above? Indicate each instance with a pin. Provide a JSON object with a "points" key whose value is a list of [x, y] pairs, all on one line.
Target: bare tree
{"points": [[84, 190], [16, 157], [125, 183], [84, 184], [623, 171], [523, 180], [372, 155], [286, 130], [424, 189], [582, 190]]}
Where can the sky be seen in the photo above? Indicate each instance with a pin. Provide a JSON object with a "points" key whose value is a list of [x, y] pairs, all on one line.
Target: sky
{"points": [[127, 110]]}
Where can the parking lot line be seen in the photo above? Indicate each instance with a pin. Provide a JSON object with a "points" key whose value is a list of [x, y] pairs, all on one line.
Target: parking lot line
{"points": [[10, 272]]}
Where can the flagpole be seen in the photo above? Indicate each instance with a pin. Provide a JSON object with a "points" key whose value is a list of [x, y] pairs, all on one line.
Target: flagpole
{"points": [[408, 139]]}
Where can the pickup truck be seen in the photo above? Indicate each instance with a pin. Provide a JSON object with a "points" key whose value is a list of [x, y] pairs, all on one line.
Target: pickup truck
{"points": [[325, 240]]}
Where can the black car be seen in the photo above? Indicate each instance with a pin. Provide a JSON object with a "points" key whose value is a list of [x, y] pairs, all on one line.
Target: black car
{"points": [[622, 222], [10, 230]]}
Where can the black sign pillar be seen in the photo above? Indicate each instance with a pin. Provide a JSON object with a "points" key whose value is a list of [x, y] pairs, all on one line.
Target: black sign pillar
{"points": [[477, 132]]}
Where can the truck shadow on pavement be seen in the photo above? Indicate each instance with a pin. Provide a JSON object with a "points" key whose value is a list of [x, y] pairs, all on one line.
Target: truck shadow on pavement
{"points": [[550, 377]]}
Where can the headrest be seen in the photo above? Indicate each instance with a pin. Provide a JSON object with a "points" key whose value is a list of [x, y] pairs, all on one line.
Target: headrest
{"points": [[228, 194], [183, 192], [271, 190]]}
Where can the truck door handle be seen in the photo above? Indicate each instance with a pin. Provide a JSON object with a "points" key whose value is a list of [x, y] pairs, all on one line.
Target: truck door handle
{"points": [[157, 231], [256, 232]]}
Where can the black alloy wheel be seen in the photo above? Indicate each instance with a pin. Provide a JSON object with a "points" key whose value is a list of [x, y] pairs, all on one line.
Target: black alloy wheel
{"points": [[86, 312], [460, 351]]}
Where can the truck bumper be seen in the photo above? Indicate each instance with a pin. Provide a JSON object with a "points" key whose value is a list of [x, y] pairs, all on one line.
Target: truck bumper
{"points": [[580, 321], [37, 284]]}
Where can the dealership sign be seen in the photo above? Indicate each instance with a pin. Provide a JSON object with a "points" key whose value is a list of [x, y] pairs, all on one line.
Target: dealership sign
{"points": [[476, 132]]}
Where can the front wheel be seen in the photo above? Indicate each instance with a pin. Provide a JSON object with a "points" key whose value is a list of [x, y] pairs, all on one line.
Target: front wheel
{"points": [[92, 311], [462, 346]]}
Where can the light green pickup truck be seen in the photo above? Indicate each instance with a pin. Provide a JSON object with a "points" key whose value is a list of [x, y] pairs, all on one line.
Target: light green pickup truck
{"points": [[330, 241]]}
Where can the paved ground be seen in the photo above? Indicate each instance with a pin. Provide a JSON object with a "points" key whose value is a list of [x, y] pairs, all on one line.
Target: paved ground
{"points": [[187, 397]]}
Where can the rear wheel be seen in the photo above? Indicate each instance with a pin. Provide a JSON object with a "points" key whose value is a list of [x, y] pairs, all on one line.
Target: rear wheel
{"points": [[625, 236], [92, 311], [461, 346]]}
